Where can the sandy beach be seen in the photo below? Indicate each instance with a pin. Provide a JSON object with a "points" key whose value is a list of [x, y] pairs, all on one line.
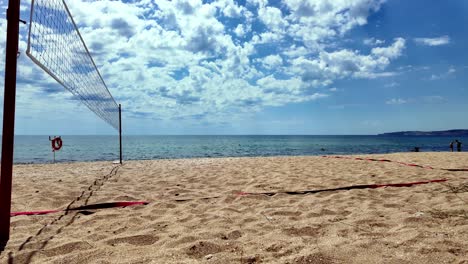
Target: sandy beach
{"points": [[196, 213]]}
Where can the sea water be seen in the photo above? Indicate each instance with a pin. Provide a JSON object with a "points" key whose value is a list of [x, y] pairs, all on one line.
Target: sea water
{"points": [[37, 149]]}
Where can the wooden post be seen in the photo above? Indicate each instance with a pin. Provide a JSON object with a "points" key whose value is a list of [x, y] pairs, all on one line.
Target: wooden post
{"points": [[6, 171], [120, 131]]}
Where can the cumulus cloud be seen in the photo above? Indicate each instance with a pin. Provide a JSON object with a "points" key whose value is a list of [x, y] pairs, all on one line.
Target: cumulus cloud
{"points": [[240, 30], [347, 63], [373, 42], [272, 17], [391, 52], [231, 9], [439, 41], [183, 59], [272, 61], [315, 21]]}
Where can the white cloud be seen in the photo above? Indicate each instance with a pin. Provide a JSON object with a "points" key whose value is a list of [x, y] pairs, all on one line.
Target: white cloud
{"points": [[316, 21], [375, 75], [443, 40], [373, 42], [272, 61], [231, 9], [180, 59], [391, 52], [396, 101], [267, 37], [272, 18], [240, 30], [346, 63], [295, 51]]}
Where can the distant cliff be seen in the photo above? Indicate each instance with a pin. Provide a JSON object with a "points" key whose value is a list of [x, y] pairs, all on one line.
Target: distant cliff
{"points": [[448, 133]]}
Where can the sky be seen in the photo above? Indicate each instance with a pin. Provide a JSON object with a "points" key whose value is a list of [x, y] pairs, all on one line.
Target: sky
{"points": [[308, 67]]}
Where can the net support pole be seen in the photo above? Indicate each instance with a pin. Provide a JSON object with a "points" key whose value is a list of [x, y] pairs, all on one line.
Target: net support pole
{"points": [[6, 171], [120, 131]]}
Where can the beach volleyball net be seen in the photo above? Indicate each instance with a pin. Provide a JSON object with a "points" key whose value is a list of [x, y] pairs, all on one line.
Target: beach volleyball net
{"points": [[56, 46]]}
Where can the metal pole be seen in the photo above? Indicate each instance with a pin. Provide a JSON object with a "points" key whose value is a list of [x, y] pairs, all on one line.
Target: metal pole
{"points": [[6, 171], [120, 131]]}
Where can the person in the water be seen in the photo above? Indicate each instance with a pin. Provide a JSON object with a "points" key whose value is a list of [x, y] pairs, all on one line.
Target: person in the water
{"points": [[458, 145]]}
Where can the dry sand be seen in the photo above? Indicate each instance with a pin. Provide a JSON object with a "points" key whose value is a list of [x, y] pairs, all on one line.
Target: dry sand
{"points": [[419, 224]]}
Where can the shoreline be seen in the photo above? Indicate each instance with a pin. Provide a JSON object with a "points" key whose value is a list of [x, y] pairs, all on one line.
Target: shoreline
{"points": [[196, 214]]}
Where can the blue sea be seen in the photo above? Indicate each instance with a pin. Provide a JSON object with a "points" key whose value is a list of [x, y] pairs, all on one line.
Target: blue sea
{"points": [[37, 149]]}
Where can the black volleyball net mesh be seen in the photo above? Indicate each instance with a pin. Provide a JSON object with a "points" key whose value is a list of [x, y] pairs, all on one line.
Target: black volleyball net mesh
{"points": [[55, 45]]}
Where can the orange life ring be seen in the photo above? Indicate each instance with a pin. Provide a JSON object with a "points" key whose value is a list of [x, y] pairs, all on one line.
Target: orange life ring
{"points": [[56, 143]]}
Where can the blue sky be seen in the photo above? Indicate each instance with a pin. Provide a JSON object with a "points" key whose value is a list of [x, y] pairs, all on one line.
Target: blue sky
{"points": [[260, 67]]}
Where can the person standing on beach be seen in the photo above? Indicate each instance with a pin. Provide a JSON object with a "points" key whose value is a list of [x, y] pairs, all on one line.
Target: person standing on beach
{"points": [[451, 146], [458, 145]]}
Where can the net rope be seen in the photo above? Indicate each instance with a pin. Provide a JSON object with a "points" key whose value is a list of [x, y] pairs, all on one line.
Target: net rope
{"points": [[55, 45]]}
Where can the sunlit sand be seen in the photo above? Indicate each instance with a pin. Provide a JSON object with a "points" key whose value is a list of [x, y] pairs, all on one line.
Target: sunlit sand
{"points": [[196, 214]]}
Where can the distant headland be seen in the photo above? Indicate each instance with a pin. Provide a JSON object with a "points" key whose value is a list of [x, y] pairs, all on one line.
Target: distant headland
{"points": [[451, 133]]}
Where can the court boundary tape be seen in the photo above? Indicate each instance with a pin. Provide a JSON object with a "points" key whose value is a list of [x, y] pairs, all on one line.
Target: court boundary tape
{"points": [[399, 162], [82, 208], [352, 187], [125, 204]]}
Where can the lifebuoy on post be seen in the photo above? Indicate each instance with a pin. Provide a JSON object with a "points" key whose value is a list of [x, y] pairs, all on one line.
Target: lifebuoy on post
{"points": [[56, 144]]}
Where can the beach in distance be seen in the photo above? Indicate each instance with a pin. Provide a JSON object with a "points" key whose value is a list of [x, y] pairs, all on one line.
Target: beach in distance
{"points": [[245, 210]]}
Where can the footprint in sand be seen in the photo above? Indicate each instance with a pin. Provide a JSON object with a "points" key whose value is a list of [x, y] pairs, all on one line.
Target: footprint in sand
{"points": [[138, 240], [303, 231], [282, 250], [286, 213], [232, 235], [203, 248], [315, 258], [67, 248]]}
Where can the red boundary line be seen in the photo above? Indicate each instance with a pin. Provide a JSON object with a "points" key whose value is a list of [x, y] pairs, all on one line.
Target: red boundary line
{"points": [[124, 204], [363, 186], [399, 162], [80, 208]]}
